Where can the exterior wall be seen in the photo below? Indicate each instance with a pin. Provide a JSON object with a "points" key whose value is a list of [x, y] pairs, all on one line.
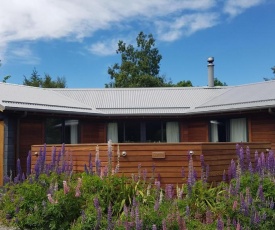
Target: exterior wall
{"points": [[9, 146], [262, 128], [162, 161], [31, 131], [194, 130], [93, 132]]}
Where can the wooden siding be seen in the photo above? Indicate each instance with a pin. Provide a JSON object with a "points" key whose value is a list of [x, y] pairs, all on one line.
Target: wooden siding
{"points": [[262, 128], [169, 169], [1, 152], [193, 130], [31, 132], [92, 132]]}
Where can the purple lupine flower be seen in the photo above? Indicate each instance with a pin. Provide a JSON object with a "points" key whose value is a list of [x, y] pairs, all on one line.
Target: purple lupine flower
{"points": [[90, 164], [224, 176], [7, 179], [248, 197], [271, 206], [169, 191], [270, 162], [153, 170], [220, 224], [99, 213], [97, 162], [247, 154], [182, 172], [238, 150], [134, 202], [243, 205], [139, 170], [110, 150], [83, 216], [208, 217], [29, 163], [256, 156], [206, 172], [256, 218], [164, 227], [156, 206], [96, 202], [138, 220], [125, 210], [19, 170], [187, 211], [250, 168], [233, 169], [241, 160], [53, 162], [144, 174], [260, 193], [110, 221], [229, 173], [154, 227]]}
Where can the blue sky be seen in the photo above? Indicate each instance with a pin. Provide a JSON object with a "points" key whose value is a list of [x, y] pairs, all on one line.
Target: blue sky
{"points": [[77, 39]]}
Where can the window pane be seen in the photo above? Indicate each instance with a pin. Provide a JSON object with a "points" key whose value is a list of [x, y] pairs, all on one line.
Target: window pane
{"points": [[154, 131], [53, 131], [129, 131], [218, 131]]}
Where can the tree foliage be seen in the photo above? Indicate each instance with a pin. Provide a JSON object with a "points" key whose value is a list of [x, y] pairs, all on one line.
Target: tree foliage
{"points": [[217, 82], [273, 78], [6, 77], [139, 66], [46, 82]]}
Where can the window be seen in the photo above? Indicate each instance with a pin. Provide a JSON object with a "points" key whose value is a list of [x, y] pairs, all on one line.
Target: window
{"points": [[60, 131], [228, 130], [143, 131]]}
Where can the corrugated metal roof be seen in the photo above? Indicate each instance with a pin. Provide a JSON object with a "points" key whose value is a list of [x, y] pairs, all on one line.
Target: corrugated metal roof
{"points": [[21, 97], [143, 100], [140, 101]]}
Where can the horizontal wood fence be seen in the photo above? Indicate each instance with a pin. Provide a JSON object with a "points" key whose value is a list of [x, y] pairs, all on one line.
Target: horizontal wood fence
{"points": [[159, 160]]}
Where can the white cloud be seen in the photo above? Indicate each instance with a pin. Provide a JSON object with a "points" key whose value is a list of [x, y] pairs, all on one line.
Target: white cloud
{"points": [[186, 25], [235, 7], [104, 48], [29, 20], [23, 53]]}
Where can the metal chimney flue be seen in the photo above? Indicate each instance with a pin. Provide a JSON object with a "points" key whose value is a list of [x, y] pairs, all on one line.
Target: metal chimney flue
{"points": [[210, 66]]}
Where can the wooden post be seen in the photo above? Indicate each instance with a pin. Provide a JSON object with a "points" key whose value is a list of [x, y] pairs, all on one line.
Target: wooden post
{"points": [[1, 152]]}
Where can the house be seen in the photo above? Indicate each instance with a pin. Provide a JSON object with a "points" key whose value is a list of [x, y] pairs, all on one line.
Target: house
{"points": [[29, 115]]}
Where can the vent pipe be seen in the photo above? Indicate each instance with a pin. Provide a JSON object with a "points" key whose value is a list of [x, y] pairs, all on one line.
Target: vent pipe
{"points": [[210, 66]]}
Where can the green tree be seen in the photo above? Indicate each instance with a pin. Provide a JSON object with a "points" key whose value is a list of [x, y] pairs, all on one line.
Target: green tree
{"points": [[217, 82], [6, 77], [273, 78], [139, 66], [46, 82], [187, 83]]}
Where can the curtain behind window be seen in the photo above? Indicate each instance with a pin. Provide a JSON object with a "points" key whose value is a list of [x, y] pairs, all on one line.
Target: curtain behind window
{"points": [[112, 132], [172, 132], [238, 130], [74, 134], [214, 132]]}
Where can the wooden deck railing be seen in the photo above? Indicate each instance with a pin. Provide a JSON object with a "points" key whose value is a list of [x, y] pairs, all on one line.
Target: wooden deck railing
{"points": [[167, 159]]}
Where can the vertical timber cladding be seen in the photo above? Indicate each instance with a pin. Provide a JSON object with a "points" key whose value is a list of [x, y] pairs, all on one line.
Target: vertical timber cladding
{"points": [[262, 128], [31, 132], [1, 152], [93, 132], [194, 130]]}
